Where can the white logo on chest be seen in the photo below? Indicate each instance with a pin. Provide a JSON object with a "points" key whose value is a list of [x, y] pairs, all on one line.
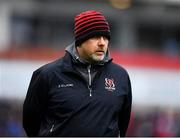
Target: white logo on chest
{"points": [[65, 85]]}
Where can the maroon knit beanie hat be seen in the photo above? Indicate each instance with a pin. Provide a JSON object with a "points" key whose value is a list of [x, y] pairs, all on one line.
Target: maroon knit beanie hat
{"points": [[88, 24]]}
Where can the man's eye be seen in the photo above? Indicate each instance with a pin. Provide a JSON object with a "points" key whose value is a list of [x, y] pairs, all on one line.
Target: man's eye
{"points": [[105, 38]]}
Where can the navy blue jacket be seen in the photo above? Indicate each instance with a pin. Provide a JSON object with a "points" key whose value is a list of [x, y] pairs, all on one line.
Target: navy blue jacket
{"points": [[59, 102]]}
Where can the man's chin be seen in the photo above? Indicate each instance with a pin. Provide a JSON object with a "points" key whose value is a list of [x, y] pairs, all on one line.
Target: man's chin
{"points": [[97, 58]]}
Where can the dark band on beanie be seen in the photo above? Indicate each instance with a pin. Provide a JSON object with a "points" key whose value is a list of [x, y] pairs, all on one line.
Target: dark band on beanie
{"points": [[89, 24]]}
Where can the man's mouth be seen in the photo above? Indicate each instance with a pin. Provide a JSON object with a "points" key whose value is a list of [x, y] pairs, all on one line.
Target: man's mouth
{"points": [[100, 52]]}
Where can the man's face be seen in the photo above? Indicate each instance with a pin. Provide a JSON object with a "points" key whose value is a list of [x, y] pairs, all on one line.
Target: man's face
{"points": [[93, 49]]}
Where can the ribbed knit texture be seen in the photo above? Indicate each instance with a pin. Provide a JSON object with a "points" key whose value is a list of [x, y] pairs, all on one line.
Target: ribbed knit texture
{"points": [[89, 24]]}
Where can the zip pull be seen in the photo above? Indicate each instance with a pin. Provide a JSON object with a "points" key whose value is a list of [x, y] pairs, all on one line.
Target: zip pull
{"points": [[90, 94], [52, 128], [90, 91], [89, 76]]}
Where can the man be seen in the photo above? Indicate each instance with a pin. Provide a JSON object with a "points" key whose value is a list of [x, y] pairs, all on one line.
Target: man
{"points": [[82, 94]]}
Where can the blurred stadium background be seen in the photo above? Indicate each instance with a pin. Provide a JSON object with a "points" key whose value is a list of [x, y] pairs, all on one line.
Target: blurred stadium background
{"points": [[145, 40]]}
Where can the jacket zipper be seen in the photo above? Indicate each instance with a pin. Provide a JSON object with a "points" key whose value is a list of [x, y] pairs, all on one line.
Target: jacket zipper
{"points": [[89, 76]]}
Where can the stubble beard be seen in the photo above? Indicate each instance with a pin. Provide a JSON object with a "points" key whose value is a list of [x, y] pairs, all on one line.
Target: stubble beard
{"points": [[97, 58]]}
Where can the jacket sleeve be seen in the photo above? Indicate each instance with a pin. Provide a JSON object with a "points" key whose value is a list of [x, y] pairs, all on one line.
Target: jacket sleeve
{"points": [[35, 103], [124, 115]]}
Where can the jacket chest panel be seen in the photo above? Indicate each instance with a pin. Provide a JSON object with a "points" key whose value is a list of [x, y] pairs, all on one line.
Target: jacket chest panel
{"points": [[67, 94]]}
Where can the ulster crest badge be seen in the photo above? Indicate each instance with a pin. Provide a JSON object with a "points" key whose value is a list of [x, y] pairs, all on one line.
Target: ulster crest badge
{"points": [[109, 84]]}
